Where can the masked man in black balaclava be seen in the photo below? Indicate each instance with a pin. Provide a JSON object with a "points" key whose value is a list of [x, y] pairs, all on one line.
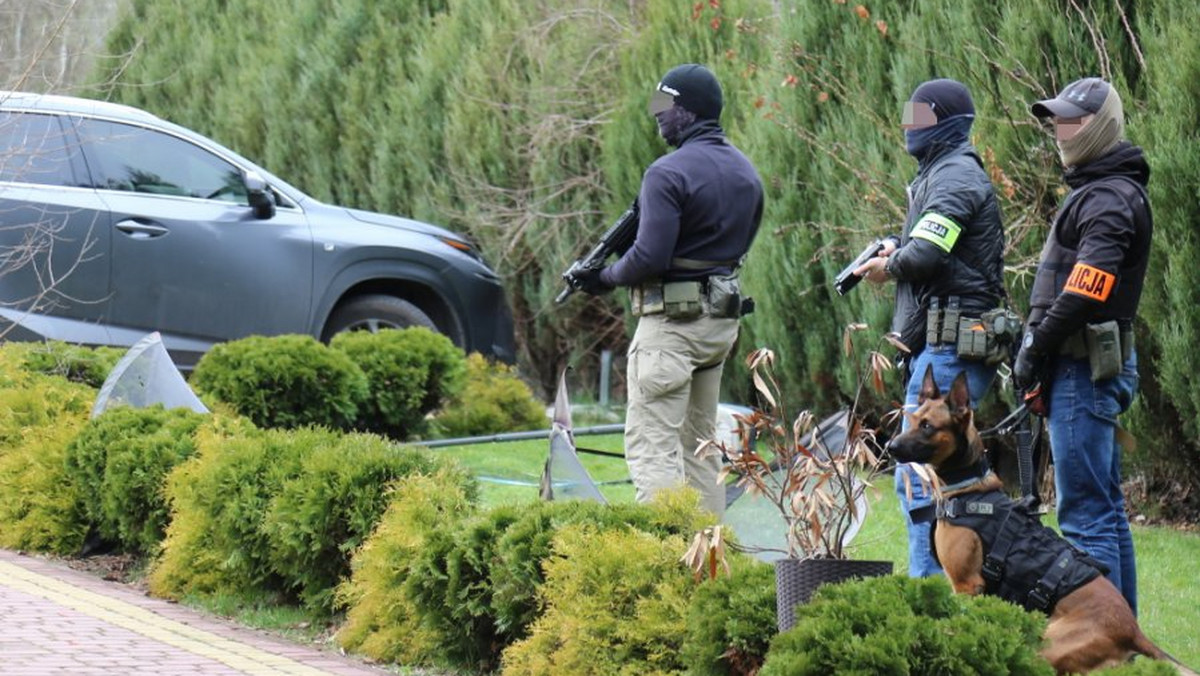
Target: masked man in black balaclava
{"points": [[700, 209], [947, 266], [1078, 348]]}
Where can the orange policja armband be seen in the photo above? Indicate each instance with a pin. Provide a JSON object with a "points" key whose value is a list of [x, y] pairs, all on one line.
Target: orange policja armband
{"points": [[1090, 282]]}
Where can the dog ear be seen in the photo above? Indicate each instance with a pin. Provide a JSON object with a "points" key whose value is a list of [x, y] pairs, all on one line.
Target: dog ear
{"points": [[959, 398], [929, 388]]}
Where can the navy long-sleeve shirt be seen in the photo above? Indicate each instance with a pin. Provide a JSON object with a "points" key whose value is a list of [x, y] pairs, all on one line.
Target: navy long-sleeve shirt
{"points": [[702, 202]]}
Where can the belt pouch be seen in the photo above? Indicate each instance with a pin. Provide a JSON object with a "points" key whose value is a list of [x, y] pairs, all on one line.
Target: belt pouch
{"points": [[681, 300], [1104, 349], [724, 297], [973, 343], [646, 299], [950, 322], [933, 331]]}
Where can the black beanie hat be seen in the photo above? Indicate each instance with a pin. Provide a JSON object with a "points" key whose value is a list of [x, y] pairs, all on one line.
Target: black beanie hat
{"points": [[694, 88], [946, 97]]}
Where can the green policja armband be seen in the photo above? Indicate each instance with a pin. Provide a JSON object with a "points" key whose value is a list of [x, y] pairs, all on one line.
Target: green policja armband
{"points": [[937, 229]]}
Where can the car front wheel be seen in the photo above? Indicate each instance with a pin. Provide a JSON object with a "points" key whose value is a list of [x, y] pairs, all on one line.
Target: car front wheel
{"points": [[372, 313]]}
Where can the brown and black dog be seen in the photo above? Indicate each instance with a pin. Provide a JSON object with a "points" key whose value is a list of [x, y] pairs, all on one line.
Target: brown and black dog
{"points": [[1090, 627]]}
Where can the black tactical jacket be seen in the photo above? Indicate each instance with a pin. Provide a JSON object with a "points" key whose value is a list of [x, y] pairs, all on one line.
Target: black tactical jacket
{"points": [[951, 185], [1094, 261]]}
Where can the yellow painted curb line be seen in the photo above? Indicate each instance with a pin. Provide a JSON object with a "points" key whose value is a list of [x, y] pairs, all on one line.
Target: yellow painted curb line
{"points": [[244, 658]]}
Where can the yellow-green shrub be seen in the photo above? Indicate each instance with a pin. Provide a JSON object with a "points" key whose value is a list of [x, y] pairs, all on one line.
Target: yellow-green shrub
{"points": [[493, 400], [120, 461], [322, 514], [218, 499], [39, 504], [381, 619], [614, 602], [76, 363]]}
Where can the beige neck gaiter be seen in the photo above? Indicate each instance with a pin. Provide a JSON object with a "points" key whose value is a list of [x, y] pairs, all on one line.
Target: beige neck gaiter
{"points": [[1100, 135]]}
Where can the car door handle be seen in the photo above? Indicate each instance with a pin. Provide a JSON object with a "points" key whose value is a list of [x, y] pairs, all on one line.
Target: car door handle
{"points": [[141, 230]]}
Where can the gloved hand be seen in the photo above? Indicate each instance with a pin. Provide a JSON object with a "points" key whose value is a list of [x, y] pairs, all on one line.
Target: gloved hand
{"points": [[589, 282], [1029, 369]]}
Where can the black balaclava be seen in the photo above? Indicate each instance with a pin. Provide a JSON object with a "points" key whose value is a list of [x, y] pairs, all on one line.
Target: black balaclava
{"points": [[687, 94], [674, 122], [955, 111]]}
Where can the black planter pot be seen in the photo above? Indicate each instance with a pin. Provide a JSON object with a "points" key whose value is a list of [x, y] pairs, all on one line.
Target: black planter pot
{"points": [[797, 579]]}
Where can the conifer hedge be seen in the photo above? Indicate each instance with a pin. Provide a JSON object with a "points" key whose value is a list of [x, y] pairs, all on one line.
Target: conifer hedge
{"points": [[524, 125]]}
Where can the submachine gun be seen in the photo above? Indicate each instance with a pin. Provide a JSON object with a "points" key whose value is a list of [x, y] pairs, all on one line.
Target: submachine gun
{"points": [[616, 240], [846, 279]]}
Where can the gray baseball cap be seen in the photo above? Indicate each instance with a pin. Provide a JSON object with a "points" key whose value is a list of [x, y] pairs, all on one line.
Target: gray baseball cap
{"points": [[1080, 98]]}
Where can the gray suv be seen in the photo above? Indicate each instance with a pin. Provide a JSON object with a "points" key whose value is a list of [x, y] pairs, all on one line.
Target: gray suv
{"points": [[114, 223]]}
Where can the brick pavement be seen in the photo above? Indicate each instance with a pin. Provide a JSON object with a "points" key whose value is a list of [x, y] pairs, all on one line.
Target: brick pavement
{"points": [[55, 621]]}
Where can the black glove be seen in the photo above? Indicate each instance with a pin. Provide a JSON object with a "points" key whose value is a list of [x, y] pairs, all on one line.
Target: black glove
{"points": [[1029, 368], [589, 282]]}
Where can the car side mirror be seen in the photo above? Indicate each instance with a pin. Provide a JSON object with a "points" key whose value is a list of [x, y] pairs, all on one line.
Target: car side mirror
{"points": [[262, 200]]}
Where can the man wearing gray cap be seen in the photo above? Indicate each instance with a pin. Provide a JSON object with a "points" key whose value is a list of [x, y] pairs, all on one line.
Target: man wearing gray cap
{"points": [[1077, 357]]}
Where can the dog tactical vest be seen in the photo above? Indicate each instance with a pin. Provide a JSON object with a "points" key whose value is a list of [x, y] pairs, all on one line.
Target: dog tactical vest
{"points": [[1025, 562]]}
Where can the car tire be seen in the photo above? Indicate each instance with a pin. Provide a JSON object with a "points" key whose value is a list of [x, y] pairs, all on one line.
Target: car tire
{"points": [[372, 313]]}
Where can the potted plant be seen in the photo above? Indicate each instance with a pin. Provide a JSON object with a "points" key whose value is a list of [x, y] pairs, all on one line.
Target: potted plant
{"points": [[814, 474]]}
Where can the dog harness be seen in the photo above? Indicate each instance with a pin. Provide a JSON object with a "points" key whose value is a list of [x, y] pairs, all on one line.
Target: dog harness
{"points": [[1024, 561]]}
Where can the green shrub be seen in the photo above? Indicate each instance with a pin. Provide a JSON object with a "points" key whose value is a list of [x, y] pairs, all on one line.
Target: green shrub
{"points": [[40, 506], [76, 363], [731, 621], [219, 499], [613, 603], [477, 583], [897, 625], [120, 461], [410, 373], [494, 400], [283, 381], [322, 514], [517, 571], [382, 620]]}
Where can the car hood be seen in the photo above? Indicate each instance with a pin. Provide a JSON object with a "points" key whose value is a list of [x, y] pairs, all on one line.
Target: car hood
{"points": [[401, 223]]}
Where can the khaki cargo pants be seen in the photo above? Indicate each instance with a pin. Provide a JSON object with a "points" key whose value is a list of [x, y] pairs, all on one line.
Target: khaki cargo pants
{"points": [[674, 380]]}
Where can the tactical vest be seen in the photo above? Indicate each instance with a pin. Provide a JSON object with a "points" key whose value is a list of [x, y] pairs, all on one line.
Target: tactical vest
{"points": [[1024, 562], [1061, 251]]}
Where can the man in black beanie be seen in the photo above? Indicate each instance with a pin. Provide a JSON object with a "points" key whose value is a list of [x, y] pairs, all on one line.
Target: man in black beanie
{"points": [[700, 209], [1078, 349], [948, 268]]}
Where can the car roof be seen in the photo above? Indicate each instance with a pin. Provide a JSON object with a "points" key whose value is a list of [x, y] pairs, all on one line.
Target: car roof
{"points": [[72, 104]]}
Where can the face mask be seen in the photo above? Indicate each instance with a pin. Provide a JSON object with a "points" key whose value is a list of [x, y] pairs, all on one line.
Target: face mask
{"points": [[672, 122], [1098, 136]]}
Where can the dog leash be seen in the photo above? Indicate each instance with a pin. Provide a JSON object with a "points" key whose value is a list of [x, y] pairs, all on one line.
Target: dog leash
{"points": [[1020, 423]]}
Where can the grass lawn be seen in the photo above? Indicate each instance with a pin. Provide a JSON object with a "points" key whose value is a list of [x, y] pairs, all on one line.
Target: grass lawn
{"points": [[1168, 559]]}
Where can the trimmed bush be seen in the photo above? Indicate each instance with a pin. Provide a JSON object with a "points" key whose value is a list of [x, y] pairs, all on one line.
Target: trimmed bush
{"points": [[40, 506], [410, 373], [613, 603], [218, 500], [897, 625], [321, 515], [277, 511], [494, 400], [76, 363], [382, 621], [120, 461], [283, 381], [477, 583], [731, 621]]}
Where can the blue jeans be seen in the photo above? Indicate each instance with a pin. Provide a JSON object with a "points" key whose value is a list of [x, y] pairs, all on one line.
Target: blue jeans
{"points": [[1087, 465], [946, 367]]}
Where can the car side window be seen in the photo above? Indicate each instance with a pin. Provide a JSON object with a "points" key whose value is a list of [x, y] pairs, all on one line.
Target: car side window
{"points": [[34, 149], [135, 159]]}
